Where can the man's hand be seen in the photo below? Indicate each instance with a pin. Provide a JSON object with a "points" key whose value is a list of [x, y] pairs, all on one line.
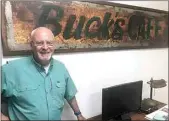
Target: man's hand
{"points": [[75, 107], [4, 118], [80, 117]]}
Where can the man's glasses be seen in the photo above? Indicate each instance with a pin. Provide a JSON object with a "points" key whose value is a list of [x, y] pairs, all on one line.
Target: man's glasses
{"points": [[41, 43]]}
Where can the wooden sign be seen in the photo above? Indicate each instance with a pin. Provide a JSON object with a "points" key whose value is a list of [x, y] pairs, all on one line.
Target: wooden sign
{"points": [[83, 26]]}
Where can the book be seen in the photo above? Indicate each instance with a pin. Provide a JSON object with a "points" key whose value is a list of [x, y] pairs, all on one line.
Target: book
{"points": [[160, 114]]}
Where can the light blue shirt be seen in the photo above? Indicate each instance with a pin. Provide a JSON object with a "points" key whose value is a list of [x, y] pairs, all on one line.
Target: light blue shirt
{"points": [[33, 94]]}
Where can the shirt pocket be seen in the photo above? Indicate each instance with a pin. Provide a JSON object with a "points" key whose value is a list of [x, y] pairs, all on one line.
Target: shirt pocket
{"points": [[27, 87], [27, 97], [27, 92], [58, 93]]}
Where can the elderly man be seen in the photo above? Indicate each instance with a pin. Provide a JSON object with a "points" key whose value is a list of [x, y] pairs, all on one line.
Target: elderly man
{"points": [[36, 86]]}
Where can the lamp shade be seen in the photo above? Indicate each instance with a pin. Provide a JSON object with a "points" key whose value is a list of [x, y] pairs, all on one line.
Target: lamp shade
{"points": [[157, 83]]}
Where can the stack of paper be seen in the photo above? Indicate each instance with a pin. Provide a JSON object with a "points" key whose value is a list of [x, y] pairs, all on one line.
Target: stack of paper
{"points": [[160, 114]]}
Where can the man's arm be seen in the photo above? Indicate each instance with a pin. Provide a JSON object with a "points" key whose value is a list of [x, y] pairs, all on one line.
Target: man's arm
{"points": [[4, 95], [4, 108], [73, 104], [4, 118], [70, 95]]}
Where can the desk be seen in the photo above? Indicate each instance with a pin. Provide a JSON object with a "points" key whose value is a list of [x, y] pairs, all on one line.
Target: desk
{"points": [[138, 116], [134, 116]]}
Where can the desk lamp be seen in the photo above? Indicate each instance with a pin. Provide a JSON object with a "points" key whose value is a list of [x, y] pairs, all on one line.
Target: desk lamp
{"points": [[148, 104]]}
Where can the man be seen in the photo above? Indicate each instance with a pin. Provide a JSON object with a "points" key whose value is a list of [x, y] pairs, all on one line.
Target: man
{"points": [[36, 86]]}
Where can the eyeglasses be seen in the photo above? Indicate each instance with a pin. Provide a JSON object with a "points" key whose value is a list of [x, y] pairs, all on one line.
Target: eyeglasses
{"points": [[41, 43]]}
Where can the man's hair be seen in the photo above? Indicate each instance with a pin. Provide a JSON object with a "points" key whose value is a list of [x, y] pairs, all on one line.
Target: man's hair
{"points": [[33, 32]]}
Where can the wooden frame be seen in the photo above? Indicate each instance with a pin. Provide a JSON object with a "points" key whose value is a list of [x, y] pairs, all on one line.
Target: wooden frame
{"points": [[83, 26]]}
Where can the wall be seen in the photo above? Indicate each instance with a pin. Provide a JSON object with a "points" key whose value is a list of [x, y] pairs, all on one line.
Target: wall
{"points": [[93, 71]]}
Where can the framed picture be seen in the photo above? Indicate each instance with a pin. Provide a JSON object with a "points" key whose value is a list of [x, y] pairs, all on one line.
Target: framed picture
{"points": [[83, 26]]}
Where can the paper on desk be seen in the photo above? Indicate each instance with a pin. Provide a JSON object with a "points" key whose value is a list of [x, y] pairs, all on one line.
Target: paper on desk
{"points": [[160, 114]]}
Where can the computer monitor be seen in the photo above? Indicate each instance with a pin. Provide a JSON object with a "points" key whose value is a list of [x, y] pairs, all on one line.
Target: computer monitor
{"points": [[121, 99]]}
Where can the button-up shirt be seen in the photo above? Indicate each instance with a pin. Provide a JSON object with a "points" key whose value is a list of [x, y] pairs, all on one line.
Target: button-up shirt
{"points": [[34, 94]]}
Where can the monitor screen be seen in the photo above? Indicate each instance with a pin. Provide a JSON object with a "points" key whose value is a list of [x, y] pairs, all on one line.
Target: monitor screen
{"points": [[120, 99]]}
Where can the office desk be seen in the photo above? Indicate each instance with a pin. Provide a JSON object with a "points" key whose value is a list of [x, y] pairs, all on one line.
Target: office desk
{"points": [[134, 117], [138, 116]]}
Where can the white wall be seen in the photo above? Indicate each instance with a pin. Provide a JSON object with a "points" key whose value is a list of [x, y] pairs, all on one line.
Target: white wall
{"points": [[93, 71]]}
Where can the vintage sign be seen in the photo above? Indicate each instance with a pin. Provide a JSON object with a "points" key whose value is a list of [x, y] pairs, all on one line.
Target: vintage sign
{"points": [[83, 26]]}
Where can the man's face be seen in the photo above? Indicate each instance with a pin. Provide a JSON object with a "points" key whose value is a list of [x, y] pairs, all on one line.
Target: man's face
{"points": [[43, 46]]}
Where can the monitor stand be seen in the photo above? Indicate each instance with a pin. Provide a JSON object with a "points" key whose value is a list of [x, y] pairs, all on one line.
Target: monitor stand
{"points": [[124, 117]]}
